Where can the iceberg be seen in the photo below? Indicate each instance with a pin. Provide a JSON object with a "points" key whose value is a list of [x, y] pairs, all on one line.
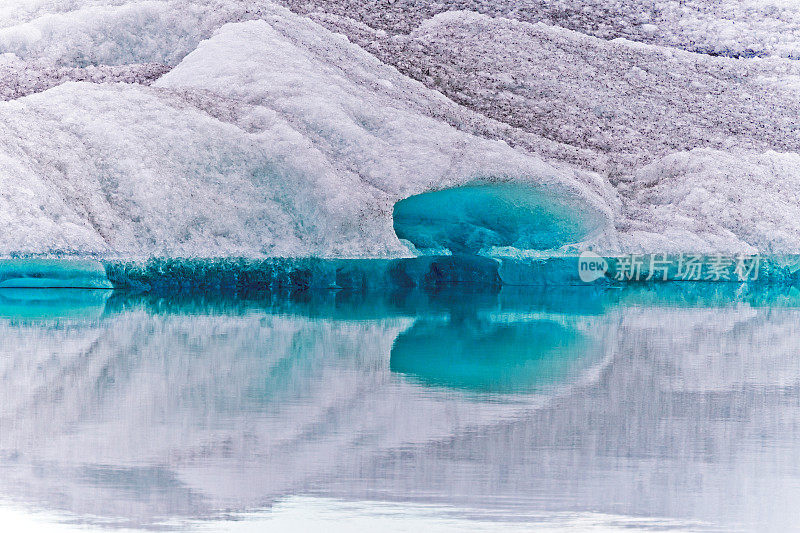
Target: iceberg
{"points": [[53, 273], [286, 142], [214, 129]]}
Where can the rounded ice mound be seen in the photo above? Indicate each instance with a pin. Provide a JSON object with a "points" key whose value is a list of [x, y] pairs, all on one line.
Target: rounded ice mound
{"points": [[711, 201], [480, 216], [117, 32], [272, 139]]}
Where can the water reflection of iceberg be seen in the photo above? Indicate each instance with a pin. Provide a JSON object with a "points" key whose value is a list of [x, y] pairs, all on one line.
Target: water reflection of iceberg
{"points": [[52, 304], [177, 407], [485, 356], [167, 408]]}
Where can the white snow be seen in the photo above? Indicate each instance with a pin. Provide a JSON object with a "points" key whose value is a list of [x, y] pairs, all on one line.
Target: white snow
{"points": [[712, 201], [624, 103], [111, 33], [280, 137], [259, 142]]}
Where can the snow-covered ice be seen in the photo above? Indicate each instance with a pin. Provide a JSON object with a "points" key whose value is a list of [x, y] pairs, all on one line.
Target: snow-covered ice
{"points": [[259, 142], [221, 128]]}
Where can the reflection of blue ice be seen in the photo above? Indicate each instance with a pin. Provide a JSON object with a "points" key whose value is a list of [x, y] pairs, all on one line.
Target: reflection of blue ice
{"points": [[491, 357], [168, 408], [52, 304]]}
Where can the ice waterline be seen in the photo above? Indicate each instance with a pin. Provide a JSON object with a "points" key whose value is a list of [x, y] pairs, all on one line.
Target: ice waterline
{"points": [[280, 138], [428, 272]]}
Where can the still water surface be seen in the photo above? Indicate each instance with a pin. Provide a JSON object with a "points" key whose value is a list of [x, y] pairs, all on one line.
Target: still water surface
{"points": [[653, 407]]}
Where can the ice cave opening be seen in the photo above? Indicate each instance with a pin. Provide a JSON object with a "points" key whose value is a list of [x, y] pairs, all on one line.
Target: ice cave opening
{"points": [[474, 218]]}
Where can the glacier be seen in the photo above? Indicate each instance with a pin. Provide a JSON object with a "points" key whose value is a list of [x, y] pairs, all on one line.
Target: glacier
{"points": [[223, 157], [134, 130]]}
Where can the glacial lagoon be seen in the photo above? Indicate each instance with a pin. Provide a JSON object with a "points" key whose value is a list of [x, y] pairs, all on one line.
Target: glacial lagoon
{"points": [[649, 406]]}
